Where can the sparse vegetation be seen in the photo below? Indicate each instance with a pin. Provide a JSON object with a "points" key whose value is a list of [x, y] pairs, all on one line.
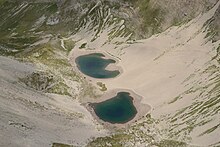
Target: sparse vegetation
{"points": [[69, 44], [102, 86], [61, 145], [142, 133], [171, 143], [25, 28], [83, 46], [152, 17], [38, 80]]}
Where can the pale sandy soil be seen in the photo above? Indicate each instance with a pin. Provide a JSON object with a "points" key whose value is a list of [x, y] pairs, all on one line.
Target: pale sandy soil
{"points": [[30, 118], [156, 68], [142, 109]]}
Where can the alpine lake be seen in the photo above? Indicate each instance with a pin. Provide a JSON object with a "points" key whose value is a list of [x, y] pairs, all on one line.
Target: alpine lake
{"points": [[118, 109]]}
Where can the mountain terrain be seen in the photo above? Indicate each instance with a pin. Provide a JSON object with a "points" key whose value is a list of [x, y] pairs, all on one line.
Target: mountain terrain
{"points": [[169, 52]]}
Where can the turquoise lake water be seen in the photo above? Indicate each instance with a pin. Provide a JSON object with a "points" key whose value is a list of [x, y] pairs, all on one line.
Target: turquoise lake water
{"points": [[119, 109], [94, 66]]}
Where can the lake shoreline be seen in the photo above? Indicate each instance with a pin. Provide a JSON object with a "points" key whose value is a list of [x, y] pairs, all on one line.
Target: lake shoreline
{"points": [[142, 109], [111, 67]]}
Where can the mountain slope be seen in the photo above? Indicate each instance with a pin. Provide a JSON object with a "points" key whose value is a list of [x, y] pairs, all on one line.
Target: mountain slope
{"points": [[176, 70]]}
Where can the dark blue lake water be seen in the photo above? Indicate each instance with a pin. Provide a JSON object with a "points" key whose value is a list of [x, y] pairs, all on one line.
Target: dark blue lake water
{"points": [[119, 109], [94, 66]]}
